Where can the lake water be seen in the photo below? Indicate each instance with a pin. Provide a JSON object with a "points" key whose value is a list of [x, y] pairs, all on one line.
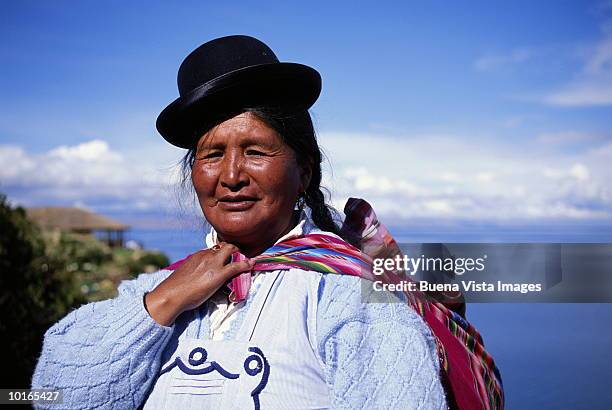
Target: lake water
{"points": [[551, 356]]}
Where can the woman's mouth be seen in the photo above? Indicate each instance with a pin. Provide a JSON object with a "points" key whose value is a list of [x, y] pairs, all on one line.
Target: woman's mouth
{"points": [[236, 202]]}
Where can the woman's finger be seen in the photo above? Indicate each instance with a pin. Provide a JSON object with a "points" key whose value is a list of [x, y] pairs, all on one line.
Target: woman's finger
{"points": [[232, 269], [225, 251]]}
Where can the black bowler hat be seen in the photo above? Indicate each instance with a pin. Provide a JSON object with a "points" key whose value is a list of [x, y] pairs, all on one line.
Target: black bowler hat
{"points": [[223, 77]]}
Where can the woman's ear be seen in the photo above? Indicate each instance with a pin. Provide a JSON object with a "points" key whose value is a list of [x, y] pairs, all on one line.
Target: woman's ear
{"points": [[305, 177]]}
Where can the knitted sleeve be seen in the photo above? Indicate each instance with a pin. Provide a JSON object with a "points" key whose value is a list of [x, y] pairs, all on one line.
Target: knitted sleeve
{"points": [[377, 355], [105, 354]]}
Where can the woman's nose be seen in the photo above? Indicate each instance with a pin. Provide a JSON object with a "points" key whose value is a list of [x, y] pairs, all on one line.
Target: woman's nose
{"points": [[232, 172]]}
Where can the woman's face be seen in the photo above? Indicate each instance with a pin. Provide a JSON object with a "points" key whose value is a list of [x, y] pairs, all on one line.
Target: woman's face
{"points": [[247, 181]]}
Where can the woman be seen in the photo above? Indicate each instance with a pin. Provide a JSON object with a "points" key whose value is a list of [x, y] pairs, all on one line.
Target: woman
{"points": [[284, 333]]}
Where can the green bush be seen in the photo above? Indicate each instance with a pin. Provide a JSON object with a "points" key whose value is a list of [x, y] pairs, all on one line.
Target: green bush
{"points": [[43, 275], [35, 291], [147, 261]]}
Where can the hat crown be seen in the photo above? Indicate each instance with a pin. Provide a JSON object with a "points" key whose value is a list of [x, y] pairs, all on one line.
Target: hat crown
{"points": [[221, 56]]}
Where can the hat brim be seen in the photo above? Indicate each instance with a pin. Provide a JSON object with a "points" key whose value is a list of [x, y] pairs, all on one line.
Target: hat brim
{"points": [[288, 86]]}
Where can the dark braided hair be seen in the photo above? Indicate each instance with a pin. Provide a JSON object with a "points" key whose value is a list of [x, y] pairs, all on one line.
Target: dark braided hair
{"points": [[297, 131]]}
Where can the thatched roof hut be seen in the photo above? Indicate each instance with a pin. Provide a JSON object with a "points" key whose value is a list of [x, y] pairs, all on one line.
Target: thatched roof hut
{"points": [[79, 221]]}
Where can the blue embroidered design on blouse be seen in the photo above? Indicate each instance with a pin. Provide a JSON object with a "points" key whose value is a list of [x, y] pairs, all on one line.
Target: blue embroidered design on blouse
{"points": [[198, 356], [178, 362], [261, 364], [196, 362]]}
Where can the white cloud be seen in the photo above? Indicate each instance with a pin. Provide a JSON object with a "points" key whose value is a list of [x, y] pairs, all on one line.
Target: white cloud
{"points": [[461, 178], [580, 172], [592, 86], [84, 174], [568, 136], [485, 176], [451, 177], [14, 162], [583, 93], [406, 178], [497, 61], [95, 151]]}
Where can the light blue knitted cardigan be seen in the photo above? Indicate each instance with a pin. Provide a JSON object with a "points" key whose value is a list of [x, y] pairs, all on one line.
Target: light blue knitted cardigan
{"points": [[108, 354]]}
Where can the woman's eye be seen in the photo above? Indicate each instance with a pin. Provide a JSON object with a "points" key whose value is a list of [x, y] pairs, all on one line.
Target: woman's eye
{"points": [[209, 155]]}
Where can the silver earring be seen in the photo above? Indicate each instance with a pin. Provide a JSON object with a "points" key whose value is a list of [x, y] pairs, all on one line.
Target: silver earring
{"points": [[301, 202]]}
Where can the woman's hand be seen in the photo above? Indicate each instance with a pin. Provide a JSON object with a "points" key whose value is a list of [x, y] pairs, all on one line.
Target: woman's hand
{"points": [[196, 280]]}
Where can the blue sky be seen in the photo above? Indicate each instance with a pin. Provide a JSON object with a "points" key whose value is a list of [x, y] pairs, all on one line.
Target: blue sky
{"points": [[458, 120], [468, 111]]}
